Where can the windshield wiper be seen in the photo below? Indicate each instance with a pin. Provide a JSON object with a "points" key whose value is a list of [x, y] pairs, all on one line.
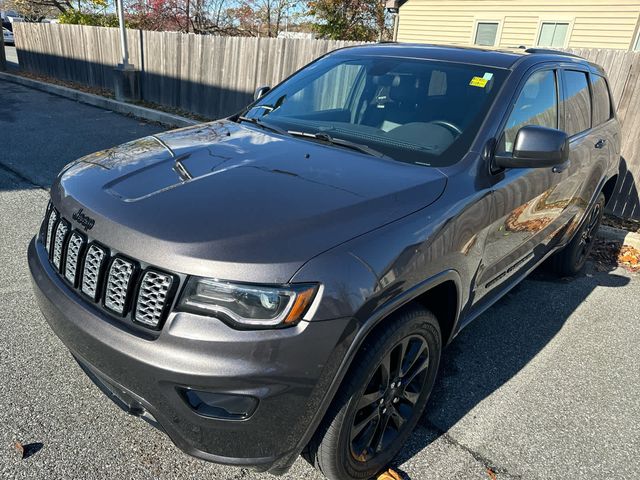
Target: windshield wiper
{"points": [[260, 123], [325, 137]]}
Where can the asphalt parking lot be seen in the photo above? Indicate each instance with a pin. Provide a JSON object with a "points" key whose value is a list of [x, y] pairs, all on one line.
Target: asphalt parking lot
{"points": [[542, 386]]}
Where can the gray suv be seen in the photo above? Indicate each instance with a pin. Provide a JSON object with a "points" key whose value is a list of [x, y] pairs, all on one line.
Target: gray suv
{"points": [[283, 281]]}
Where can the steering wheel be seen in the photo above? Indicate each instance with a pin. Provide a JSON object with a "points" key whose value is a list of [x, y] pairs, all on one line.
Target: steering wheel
{"points": [[448, 125]]}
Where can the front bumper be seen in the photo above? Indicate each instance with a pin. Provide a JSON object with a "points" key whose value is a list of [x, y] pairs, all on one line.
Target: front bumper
{"points": [[288, 371]]}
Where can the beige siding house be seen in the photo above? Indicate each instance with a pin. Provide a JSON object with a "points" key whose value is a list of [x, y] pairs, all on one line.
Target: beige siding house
{"points": [[514, 23]]}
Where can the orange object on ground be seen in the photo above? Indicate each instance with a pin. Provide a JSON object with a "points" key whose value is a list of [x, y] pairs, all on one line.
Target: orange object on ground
{"points": [[389, 475]]}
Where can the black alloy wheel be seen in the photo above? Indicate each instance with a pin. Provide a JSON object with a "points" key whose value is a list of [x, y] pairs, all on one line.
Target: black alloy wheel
{"points": [[381, 399], [572, 258], [588, 234], [390, 398]]}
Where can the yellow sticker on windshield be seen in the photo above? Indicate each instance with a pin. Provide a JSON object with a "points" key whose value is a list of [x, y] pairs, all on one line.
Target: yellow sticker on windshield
{"points": [[478, 82]]}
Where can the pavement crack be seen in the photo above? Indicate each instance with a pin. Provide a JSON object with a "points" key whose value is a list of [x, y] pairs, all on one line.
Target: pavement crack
{"points": [[478, 457]]}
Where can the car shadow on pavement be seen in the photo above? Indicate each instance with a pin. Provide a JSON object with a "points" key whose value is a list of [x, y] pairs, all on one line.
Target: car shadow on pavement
{"points": [[500, 343]]}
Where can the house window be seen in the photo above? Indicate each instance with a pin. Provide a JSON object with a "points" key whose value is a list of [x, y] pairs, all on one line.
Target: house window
{"points": [[486, 33], [553, 34]]}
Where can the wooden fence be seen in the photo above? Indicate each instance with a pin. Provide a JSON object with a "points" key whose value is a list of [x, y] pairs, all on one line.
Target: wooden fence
{"points": [[623, 70], [208, 75], [216, 76]]}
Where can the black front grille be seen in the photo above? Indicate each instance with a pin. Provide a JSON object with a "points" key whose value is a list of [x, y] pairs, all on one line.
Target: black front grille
{"points": [[75, 249], [62, 230], [93, 270], [152, 297], [52, 219], [118, 284]]}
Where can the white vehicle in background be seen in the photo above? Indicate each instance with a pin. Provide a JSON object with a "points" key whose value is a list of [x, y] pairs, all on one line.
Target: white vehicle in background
{"points": [[7, 35]]}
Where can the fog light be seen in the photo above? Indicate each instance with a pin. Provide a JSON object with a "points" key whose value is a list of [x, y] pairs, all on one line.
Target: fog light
{"points": [[220, 405]]}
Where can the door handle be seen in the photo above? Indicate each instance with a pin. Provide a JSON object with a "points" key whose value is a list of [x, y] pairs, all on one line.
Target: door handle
{"points": [[600, 143]]}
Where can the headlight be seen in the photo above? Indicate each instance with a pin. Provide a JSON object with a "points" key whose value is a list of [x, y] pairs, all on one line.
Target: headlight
{"points": [[251, 305]]}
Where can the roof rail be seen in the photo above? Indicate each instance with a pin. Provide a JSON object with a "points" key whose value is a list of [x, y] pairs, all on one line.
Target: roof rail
{"points": [[551, 52]]}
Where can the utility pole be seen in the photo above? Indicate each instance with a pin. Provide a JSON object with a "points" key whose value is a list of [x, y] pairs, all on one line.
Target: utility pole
{"points": [[123, 34], [126, 77], [393, 7], [3, 58]]}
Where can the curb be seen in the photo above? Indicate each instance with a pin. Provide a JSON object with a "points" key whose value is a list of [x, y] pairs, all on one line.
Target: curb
{"points": [[618, 235], [102, 102]]}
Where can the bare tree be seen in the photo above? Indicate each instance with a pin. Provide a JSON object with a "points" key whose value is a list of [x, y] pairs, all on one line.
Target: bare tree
{"points": [[269, 14]]}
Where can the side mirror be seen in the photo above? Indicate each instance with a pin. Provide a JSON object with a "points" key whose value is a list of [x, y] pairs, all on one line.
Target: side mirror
{"points": [[536, 147], [260, 92]]}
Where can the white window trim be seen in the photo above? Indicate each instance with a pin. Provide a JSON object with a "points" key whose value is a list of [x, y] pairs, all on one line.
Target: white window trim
{"points": [[635, 41], [556, 19], [499, 21]]}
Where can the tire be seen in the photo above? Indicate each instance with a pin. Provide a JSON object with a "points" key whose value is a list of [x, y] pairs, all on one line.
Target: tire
{"points": [[571, 259], [337, 453]]}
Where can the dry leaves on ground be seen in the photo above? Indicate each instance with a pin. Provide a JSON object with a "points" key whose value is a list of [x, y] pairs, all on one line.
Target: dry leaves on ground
{"points": [[103, 92], [629, 258], [389, 475], [621, 223], [20, 449], [609, 255], [25, 451]]}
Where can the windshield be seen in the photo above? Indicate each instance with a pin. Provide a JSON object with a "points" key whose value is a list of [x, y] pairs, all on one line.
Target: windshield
{"points": [[412, 110]]}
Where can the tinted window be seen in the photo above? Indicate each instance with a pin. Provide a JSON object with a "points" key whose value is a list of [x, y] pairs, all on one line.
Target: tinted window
{"points": [[577, 102], [537, 104], [486, 33], [412, 110], [437, 84], [601, 100], [328, 92]]}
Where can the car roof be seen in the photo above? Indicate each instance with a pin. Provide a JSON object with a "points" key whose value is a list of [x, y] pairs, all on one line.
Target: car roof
{"points": [[506, 58]]}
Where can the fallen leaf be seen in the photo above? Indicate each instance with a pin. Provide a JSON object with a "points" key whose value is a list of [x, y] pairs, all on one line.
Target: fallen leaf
{"points": [[492, 474], [389, 475], [27, 450], [609, 255], [20, 449]]}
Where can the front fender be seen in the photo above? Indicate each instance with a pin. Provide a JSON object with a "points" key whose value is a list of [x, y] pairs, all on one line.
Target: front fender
{"points": [[365, 327]]}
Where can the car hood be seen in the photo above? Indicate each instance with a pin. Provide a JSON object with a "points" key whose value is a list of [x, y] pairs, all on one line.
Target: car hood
{"points": [[236, 202]]}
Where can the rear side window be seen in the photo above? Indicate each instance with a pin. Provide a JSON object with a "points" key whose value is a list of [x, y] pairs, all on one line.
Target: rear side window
{"points": [[537, 104], [577, 102], [601, 100]]}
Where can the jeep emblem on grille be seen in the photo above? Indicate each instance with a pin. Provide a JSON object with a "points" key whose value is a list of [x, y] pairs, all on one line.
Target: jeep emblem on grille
{"points": [[86, 221]]}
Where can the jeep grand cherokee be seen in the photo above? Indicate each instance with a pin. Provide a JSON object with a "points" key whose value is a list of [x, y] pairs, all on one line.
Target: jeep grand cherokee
{"points": [[284, 280]]}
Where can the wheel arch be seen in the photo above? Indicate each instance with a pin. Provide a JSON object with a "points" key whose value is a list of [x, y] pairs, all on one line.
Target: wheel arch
{"points": [[441, 294], [609, 188], [425, 294]]}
